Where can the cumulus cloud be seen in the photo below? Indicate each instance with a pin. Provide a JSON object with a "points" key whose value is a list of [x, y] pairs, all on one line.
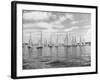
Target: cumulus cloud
{"points": [[74, 22], [60, 20], [57, 26], [70, 29], [63, 18], [42, 25], [38, 25], [69, 16], [36, 16], [87, 26], [40, 16]]}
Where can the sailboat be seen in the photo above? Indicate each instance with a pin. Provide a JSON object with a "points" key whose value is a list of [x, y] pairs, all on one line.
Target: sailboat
{"points": [[45, 43], [30, 44], [50, 44], [81, 42], [67, 41], [74, 43], [57, 45], [40, 42]]}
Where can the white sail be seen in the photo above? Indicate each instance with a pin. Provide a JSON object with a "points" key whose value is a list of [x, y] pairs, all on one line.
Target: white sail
{"points": [[66, 40], [30, 41]]}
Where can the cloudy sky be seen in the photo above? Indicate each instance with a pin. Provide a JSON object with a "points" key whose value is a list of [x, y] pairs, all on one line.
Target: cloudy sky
{"points": [[75, 23]]}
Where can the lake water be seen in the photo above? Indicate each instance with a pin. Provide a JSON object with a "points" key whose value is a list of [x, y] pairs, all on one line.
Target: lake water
{"points": [[54, 57]]}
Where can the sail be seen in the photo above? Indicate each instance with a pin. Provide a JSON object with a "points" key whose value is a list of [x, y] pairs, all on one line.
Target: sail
{"points": [[30, 41], [66, 39], [50, 39], [74, 40], [57, 40], [81, 42]]}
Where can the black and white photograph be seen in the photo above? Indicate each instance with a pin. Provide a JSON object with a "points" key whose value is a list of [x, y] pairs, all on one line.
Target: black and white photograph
{"points": [[53, 39], [56, 39]]}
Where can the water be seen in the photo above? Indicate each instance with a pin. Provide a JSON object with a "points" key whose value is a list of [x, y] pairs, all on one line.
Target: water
{"points": [[54, 57]]}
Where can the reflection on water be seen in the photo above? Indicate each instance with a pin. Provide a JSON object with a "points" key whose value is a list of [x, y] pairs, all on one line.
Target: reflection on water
{"points": [[56, 57]]}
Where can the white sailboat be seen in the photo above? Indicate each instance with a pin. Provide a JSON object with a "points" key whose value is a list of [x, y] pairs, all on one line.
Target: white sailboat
{"points": [[74, 42], [50, 43], [45, 43], [40, 42], [81, 42], [30, 44], [57, 44], [67, 41]]}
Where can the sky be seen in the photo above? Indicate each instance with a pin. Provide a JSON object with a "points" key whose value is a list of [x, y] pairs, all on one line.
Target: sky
{"points": [[51, 23]]}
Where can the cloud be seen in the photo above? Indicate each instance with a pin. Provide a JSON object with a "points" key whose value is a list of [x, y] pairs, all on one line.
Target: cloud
{"points": [[71, 29], [60, 20], [38, 25], [57, 26], [87, 26], [37, 15], [63, 18], [69, 16], [44, 24], [74, 22]]}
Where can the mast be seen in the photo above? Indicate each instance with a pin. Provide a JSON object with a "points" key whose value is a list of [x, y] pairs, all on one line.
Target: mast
{"points": [[69, 40], [57, 42], [80, 40], [41, 38], [30, 41], [66, 39], [57, 39], [46, 43], [50, 39], [75, 41], [40, 41], [72, 40], [30, 38], [83, 41]]}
